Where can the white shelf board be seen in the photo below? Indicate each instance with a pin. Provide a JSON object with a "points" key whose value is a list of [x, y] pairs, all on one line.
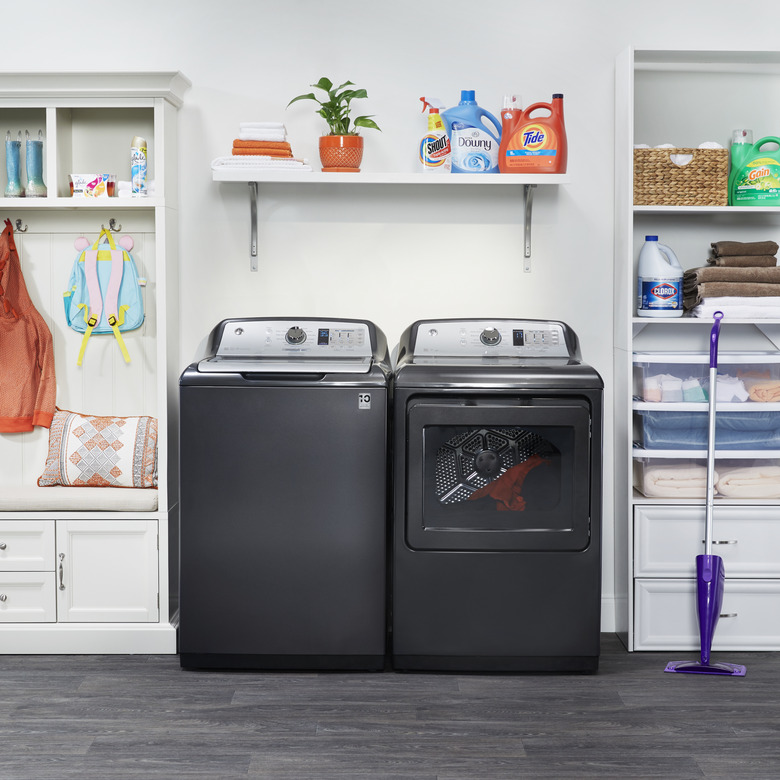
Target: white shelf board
{"points": [[14, 204], [707, 209], [263, 175]]}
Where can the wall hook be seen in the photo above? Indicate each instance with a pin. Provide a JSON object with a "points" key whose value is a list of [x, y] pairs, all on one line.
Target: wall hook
{"points": [[19, 228], [112, 226]]}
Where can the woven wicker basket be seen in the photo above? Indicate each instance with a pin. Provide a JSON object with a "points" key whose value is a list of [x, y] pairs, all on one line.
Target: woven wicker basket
{"points": [[702, 182]]}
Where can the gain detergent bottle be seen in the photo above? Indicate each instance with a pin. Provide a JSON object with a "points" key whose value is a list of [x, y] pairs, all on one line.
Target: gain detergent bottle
{"points": [[754, 179], [474, 145]]}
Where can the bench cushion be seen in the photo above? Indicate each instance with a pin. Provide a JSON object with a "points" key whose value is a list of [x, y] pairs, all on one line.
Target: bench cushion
{"points": [[30, 498]]}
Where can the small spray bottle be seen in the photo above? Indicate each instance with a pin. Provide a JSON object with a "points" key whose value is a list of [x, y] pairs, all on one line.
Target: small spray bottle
{"points": [[433, 151]]}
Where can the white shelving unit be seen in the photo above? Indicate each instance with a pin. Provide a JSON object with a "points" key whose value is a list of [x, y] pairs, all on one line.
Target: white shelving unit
{"points": [[83, 570], [255, 177], [685, 98]]}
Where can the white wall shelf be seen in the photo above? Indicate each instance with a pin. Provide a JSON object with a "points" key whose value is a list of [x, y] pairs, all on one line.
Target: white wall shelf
{"points": [[257, 176]]}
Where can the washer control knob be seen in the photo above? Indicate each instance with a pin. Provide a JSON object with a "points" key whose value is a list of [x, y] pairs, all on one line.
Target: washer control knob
{"points": [[490, 337], [295, 335]]}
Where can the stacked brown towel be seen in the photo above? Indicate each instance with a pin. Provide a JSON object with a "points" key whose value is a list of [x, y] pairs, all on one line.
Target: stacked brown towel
{"points": [[741, 254], [736, 270]]}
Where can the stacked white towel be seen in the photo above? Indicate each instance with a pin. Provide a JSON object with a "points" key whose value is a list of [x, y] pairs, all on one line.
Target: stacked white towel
{"points": [[259, 161], [262, 131], [737, 307]]}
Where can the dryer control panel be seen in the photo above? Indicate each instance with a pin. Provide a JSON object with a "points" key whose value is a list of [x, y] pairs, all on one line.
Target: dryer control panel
{"points": [[486, 338]]}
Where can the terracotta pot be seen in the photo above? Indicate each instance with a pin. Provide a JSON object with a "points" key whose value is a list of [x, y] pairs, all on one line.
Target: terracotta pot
{"points": [[341, 153]]}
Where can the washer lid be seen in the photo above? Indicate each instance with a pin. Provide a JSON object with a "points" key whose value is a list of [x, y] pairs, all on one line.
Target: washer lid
{"points": [[290, 346]]}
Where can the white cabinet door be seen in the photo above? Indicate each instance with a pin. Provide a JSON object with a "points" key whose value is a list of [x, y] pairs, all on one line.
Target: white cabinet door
{"points": [[107, 571]]}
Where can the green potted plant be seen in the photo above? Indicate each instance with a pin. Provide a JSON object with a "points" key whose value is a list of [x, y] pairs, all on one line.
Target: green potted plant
{"points": [[342, 148]]}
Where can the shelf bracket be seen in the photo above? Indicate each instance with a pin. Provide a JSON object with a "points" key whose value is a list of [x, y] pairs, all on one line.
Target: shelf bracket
{"points": [[528, 203], [253, 225]]}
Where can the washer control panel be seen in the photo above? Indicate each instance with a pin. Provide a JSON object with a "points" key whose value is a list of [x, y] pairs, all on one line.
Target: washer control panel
{"points": [[486, 338], [294, 339], [290, 346]]}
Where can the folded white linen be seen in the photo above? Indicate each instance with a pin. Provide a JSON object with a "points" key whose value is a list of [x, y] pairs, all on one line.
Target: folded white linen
{"points": [[679, 481], [261, 126], [750, 482], [260, 161], [262, 135], [739, 307]]}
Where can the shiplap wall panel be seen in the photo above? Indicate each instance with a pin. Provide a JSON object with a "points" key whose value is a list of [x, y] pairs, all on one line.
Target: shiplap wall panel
{"points": [[104, 384]]}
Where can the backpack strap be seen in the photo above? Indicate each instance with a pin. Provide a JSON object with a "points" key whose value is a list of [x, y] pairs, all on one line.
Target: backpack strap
{"points": [[94, 311]]}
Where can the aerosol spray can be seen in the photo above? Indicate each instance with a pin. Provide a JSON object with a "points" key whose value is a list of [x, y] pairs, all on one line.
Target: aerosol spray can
{"points": [[138, 160]]}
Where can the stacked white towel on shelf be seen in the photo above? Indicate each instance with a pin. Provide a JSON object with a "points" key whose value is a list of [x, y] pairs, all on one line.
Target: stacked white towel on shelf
{"points": [[262, 131], [736, 307]]}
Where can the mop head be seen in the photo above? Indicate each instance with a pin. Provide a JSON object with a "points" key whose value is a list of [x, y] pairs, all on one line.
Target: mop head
{"points": [[697, 667]]}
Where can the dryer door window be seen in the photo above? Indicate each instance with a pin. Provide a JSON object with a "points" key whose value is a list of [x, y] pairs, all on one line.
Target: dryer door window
{"points": [[499, 474]]}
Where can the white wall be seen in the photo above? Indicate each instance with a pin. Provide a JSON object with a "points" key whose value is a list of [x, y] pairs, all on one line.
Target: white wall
{"points": [[390, 255]]}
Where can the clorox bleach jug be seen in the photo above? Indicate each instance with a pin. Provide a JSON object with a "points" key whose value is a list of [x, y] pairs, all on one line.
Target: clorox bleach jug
{"points": [[533, 144], [659, 281], [474, 145]]}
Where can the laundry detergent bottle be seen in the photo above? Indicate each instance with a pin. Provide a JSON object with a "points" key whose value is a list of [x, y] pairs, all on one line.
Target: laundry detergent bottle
{"points": [[533, 144], [754, 179], [474, 144], [659, 281]]}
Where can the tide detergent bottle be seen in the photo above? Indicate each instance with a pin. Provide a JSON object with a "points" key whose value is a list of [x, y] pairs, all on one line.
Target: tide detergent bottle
{"points": [[533, 144], [659, 281], [474, 144], [433, 151], [754, 179]]}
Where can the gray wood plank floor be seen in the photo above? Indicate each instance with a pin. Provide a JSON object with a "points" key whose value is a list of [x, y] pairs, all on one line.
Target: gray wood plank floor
{"points": [[115, 717]]}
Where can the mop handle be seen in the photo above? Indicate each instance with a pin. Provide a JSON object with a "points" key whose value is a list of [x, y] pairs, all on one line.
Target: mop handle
{"points": [[714, 333]]}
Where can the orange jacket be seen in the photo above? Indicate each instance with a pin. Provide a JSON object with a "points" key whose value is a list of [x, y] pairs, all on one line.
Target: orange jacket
{"points": [[27, 384]]}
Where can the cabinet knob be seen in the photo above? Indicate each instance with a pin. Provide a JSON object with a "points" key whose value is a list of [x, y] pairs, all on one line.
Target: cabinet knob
{"points": [[3, 597], [3, 545]]}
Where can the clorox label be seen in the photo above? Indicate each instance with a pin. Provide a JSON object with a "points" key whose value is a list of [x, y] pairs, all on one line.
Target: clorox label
{"points": [[655, 295]]}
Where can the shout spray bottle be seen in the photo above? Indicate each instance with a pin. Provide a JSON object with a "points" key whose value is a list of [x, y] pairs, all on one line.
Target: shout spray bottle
{"points": [[434, 147], [138, 164]]}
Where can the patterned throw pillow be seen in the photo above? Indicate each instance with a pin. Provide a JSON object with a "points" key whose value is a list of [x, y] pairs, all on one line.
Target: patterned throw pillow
{"points": [[90, 451]]}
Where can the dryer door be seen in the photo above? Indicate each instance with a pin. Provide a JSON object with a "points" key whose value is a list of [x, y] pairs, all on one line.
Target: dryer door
{"points": [[498, 474]]}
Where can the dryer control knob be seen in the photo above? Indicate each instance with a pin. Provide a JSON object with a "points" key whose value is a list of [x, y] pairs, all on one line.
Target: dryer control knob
{"points": [[295, 335], [490, 337]]}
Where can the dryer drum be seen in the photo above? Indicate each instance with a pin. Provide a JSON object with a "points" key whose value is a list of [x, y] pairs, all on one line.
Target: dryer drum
{"points": [[470, 460]]}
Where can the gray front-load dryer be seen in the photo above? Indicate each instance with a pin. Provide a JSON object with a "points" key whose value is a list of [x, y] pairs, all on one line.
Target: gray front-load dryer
{"points": [[496, 553], [284, 496]]}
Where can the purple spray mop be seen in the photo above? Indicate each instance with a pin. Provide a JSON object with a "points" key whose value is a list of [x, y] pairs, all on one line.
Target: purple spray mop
{"points": [[710, 573]]}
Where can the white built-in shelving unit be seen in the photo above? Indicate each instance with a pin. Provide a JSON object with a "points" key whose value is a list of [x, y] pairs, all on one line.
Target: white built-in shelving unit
{"points": [[685, 98], [94, 571]]}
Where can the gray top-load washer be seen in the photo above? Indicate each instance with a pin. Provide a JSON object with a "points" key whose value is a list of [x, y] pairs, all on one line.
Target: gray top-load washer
{"points": [[284, 496]]}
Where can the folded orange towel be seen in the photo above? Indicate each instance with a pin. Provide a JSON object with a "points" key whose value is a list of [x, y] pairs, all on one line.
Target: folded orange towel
{"points": [[765, 392], [262, 144], [261, 152]]}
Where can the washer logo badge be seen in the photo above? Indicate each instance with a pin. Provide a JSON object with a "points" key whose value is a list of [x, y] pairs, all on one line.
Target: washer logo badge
{"points": [[364, 400]]}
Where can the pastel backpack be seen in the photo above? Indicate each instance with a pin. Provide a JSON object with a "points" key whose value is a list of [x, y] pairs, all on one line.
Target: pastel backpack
{"points": [[104, 290]]}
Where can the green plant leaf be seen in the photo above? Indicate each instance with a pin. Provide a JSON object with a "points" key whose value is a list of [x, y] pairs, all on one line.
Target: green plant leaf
{"points": [[308, 96], [364, 121], [324, 83]]}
